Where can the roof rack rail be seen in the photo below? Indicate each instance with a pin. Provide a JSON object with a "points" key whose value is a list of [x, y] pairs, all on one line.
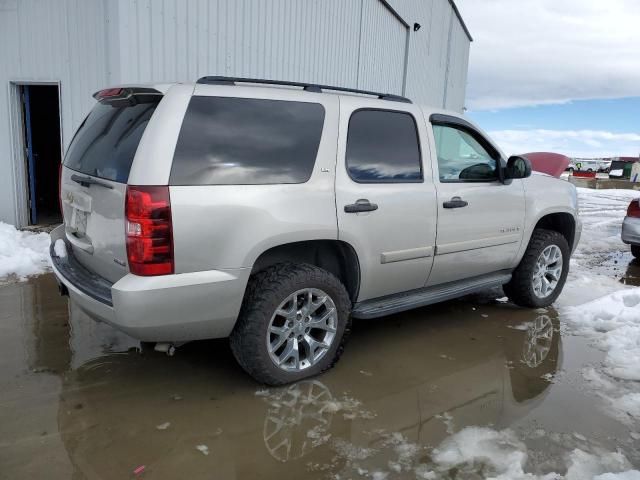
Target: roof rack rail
{"points": [[309, 87]]}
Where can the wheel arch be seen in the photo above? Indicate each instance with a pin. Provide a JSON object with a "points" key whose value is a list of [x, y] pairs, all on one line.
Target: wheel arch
{"points": [[335, 256], [562, 222]]}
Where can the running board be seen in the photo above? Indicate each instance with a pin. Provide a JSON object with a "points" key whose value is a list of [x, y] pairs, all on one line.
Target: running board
{"points": [[399, 302]]}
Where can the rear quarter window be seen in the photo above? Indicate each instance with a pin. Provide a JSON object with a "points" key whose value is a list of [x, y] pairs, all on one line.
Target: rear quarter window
{"points": [[107, 140], [245, 141]]}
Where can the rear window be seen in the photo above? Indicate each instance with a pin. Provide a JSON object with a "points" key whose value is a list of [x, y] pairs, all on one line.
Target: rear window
{"points": [[106, 142], [246, 141]]}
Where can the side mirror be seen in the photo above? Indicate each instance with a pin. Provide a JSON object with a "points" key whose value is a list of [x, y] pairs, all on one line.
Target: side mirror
{"points": [[517, 167]]}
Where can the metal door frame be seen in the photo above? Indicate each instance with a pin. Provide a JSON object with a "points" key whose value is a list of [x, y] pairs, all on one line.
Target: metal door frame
{"points": [[18, 143]]}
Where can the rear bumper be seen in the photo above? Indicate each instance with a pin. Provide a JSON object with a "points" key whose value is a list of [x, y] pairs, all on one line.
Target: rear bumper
{"points": [[167, 308], [631, 231]]}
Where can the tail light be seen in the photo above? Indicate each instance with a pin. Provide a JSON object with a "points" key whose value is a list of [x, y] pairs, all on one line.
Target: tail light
{"points": [[634, 208], [149, 230]]}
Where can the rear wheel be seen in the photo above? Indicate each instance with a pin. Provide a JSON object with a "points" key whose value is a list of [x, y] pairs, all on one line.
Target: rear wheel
{"points": [[292, 325], [635, 251], [542, 272]]}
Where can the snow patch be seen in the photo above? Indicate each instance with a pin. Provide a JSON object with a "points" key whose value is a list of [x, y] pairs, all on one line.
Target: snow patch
{"points": [[203, 449], [502, 456], [583, 465], [628, 404], [60, 248], [22, 254], [500, 452]]}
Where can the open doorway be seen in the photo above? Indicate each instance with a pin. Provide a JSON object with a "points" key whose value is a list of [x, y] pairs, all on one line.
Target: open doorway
{"points": [[43, 153]]}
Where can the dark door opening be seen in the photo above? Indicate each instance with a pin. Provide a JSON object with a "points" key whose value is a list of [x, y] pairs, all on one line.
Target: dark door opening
{"points": [[41, 114]]}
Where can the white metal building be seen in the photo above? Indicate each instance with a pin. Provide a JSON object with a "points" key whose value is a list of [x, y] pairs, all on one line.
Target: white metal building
{"points": [[55, 53]]}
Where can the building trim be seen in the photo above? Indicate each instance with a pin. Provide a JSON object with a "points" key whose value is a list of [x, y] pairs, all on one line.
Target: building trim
{"points": [[394, 13], [464, 25]]}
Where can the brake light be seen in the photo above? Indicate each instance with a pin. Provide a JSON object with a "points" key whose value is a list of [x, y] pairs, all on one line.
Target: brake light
{"points": [[634, 208], [149, 231], [108, 92]]}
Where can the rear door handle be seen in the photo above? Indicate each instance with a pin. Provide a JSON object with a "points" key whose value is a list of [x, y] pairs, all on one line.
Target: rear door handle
{"points": [[455, 202], [361, 205]]}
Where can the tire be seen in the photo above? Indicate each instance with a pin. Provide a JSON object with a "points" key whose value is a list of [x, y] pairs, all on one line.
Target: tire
{"points": [[263, 303], [635, 251], [521, 287]]}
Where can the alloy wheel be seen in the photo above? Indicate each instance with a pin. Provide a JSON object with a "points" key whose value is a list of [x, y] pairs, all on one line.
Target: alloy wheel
{"points": [[302, 329], [547, 271]]}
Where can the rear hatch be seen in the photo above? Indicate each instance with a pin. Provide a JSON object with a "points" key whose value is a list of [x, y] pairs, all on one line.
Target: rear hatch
{"points": [[94, 178]]}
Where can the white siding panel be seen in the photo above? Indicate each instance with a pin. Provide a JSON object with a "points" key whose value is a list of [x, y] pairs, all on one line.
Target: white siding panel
{"points": [[438, 53], [383, 44], [457, 72]]}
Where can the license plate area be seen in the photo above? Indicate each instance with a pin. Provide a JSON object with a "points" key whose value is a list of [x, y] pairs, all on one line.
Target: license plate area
{"points": [[79, 204]]}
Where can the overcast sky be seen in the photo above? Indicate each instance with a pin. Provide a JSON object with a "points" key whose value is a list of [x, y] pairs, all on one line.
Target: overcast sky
{"points": [[573, 65]]}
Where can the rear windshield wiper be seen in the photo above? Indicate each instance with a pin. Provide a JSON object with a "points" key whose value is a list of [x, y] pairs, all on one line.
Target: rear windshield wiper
{"points": [[86, 181]]}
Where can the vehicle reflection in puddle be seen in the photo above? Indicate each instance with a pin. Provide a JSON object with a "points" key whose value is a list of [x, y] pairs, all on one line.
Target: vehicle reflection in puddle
{"points": [[405, 383]]}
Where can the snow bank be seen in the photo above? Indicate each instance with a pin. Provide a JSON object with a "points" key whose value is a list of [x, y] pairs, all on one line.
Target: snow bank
{"points": [[22, 253], [601, 212], [615, 321]]}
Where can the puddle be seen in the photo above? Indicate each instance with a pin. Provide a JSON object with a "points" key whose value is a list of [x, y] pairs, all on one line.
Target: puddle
{"points": [[80, 400]]}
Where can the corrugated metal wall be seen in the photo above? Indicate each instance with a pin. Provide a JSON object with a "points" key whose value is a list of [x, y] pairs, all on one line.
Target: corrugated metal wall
{"points": [[87, 44], [45, 41], [311, 40], [383, 44]]}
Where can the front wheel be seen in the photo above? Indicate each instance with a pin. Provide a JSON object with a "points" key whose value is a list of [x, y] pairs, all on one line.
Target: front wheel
{"points": [[292, 324], [542, 272], [635, 251]]}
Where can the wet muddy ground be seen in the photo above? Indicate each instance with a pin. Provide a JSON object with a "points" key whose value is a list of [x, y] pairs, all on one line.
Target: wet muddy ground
{"points": [[80, 400]]}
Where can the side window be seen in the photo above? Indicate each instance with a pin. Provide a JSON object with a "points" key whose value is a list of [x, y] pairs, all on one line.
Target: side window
{"points": [[382, 147], [461, 158], [247, 141]]}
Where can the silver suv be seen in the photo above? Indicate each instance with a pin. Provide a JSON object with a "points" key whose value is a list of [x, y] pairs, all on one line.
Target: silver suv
{"points": [[272, 213]]}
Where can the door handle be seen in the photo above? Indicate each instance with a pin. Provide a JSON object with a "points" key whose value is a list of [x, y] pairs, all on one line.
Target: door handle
{"points": [[361, 205], [455, 202]]}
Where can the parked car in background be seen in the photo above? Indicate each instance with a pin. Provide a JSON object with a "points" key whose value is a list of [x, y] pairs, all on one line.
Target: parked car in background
{"points": [[631, 227], [604, 166], [273, 215]]}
